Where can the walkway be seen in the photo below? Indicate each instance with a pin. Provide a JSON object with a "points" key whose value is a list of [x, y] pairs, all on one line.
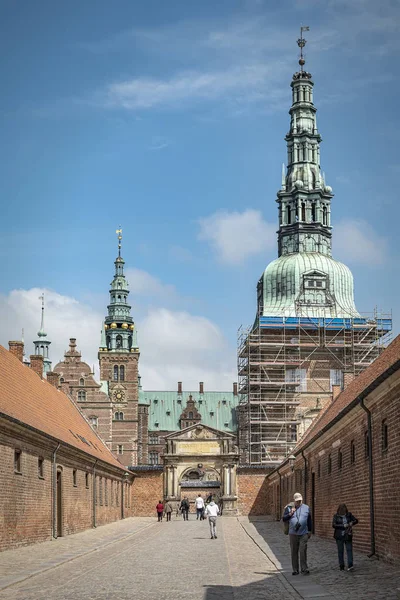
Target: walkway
{"points": [[142, 559]]}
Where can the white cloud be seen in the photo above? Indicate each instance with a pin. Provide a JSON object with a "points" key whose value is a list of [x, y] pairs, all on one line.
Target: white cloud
{"points": [[178, 346], [355, 241], [65, 317], [175, 345], [237, 236], [141, 283], [248, 83]]}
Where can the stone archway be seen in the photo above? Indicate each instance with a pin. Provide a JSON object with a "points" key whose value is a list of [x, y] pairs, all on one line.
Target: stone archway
{"points": [[200, 479]]}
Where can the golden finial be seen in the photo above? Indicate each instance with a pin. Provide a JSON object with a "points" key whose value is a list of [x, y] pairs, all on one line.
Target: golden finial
{"points": [[119, 234]]}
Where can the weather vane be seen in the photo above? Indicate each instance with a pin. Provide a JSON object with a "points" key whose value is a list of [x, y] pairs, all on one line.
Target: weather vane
{"points": [[301, 42], [119, 234]]}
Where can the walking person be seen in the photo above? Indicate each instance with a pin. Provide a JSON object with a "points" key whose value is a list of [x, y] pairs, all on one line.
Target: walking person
{"points": [[199, 503], [343, 523], [300, 527], [212, 511], [168, 510], [160, 510], [185, 508]]}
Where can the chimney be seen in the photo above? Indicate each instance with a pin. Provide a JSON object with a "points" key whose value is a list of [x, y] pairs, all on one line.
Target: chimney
{"points": [[37, 364], [336, 389], [179, 387], [201, 387], [53, 378], [235, 389], [17, 348], [348, 377]]}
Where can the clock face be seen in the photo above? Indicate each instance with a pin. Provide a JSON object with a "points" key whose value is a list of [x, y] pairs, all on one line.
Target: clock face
{"points": [[118, 395]]}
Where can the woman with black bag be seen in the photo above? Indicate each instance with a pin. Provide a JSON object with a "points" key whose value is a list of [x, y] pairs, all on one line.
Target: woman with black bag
{"points": [[343, 523]]}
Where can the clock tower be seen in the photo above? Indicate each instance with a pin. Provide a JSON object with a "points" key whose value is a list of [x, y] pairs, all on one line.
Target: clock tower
{"points": [[119, 360]]}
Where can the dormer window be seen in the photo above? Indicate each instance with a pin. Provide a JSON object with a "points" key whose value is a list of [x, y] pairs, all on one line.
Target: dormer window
{"points": [[156, 424], [81, 382], [211, 413], [155, 400], [224, 401], [168, 412]]}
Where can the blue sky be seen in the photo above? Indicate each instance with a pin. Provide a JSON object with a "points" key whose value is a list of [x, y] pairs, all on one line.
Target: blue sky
{"points": [[168, 118]]}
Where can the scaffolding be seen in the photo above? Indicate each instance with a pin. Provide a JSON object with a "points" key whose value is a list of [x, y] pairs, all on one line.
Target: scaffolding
{"points": [[286, 369]]}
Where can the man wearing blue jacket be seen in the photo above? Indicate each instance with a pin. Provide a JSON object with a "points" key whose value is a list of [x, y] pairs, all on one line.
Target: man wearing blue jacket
{"points": [[300, 527]]}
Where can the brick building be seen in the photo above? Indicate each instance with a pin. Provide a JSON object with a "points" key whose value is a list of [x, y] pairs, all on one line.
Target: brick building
{"points": [[350, 455], [57, 476]]}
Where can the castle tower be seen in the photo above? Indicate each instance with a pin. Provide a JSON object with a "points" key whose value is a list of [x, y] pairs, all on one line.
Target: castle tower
{"points": [[42, 344], [119, 358], [308, 335]]}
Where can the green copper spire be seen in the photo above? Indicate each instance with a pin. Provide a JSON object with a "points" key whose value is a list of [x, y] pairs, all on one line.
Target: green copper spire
{"points": [[305, 280], [119, 328], [42, 345]]}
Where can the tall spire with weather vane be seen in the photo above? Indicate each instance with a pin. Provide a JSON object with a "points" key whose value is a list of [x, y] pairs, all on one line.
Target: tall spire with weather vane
{"points": [[305, 280], [42, 344], [118, 331]]}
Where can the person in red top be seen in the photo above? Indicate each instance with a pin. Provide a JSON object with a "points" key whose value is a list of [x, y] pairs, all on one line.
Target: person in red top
{"points": [[160, 510]]}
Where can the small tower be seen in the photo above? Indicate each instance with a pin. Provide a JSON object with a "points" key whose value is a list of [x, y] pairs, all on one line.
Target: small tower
{"points": [[42, 345], [118, 359]]}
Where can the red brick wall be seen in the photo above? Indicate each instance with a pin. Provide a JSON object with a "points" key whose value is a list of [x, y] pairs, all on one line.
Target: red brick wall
{"points": [[350, 483], [146, 492], [26, 499], [252, 491]]}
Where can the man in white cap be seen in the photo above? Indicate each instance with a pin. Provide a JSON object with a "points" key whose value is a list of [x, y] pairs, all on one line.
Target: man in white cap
{"points": [[300, 527]]}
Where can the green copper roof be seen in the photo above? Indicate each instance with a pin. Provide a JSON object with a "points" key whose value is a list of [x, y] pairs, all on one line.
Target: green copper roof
{"points": [[217, 409], [308, 284]]}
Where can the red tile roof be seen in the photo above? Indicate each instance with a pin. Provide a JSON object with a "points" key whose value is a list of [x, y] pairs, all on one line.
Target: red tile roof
{"points": [[389, 359], [26, 397]]}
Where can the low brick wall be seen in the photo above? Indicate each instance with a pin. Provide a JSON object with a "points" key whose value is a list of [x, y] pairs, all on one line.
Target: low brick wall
{"points": [[252, 490], [147, 491]]}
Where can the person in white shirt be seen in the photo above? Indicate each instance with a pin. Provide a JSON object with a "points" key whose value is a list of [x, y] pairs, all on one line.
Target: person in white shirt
{"points": [[199, 506], [212, 511]]}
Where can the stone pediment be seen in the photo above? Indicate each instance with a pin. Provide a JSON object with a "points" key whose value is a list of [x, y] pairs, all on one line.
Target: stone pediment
{"points": [[200, 432]]}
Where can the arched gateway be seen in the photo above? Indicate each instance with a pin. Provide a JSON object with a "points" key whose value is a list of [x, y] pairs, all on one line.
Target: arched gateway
{"points": [[200, 459]]}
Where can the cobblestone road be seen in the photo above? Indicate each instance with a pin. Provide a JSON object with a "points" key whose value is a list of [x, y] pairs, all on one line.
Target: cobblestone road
{"points": [[144, 560]]}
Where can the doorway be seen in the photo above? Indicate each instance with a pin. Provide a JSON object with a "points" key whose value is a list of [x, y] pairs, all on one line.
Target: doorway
{"points": [[313, 501], [59, 504]]}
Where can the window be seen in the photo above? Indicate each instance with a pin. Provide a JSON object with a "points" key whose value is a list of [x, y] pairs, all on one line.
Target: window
{"points": [[153, 439], [339, 459], [115, 372], [106, 492], [41, 467], [94, 421], [153, 457], [293, 433], [81, 382], [319, 283], [117, 495], [385, 437], [336, 378], [190, 415], [319, 469], [122, 373], [81, 396], [95, 490], [61, 379], [17, 461], [120, 449], [118, 341], [366, 444], [74, 478], [329, 464], [87, 480], [101, 491], [119, 416], [352, 452], [112, 492]]}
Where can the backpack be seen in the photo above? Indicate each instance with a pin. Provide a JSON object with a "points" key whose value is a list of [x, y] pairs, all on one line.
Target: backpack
{"points": [[287, 523]]}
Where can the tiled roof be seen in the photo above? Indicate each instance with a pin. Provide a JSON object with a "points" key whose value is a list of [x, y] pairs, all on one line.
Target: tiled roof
{"points": [[388, 361], [36, 403], [217, 409]]}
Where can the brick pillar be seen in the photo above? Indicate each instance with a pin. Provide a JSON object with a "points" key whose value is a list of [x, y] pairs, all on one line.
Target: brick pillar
{"points": [[53, 378], [37, 364], [201, 387], [336, 389], [235, 388], [348, 377], [17, 348]]}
